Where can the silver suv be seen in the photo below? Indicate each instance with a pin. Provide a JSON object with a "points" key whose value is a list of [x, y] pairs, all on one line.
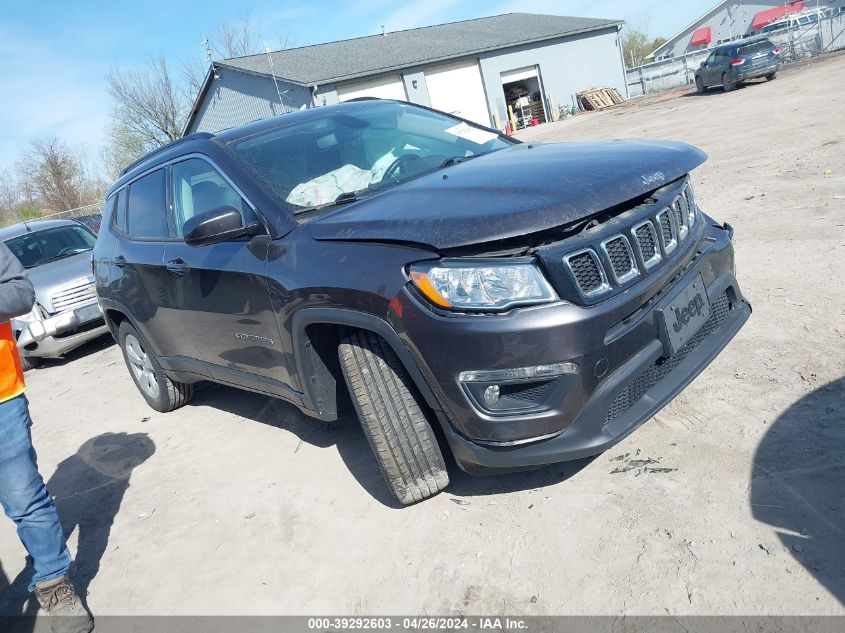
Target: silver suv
{"points": [[57, 258]]}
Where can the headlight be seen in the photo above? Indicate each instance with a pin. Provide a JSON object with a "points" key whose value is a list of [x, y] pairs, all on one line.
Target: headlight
{"points": [[481, 285], [32, 315]]}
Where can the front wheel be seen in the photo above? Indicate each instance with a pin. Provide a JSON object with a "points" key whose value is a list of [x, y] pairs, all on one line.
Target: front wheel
{"points": [[29, 362], [771, 76], [699, 85], [397, 430], [727, 83], [160, 392]]}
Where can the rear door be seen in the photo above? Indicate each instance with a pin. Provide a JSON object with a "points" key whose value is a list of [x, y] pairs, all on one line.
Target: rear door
{"points": [[140, 280], [220, 289]]}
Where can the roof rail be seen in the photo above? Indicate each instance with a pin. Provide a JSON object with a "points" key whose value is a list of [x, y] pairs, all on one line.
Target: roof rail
{"points": [[189, 137]]}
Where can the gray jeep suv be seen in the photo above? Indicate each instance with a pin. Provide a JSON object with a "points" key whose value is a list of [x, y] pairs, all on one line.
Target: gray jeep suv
{"points": [[514, 304]]}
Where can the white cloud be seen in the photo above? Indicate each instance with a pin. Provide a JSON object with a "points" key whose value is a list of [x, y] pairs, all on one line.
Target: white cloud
{"points": [[46, 92]]}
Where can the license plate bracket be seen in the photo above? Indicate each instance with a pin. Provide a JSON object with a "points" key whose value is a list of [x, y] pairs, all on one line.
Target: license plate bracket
{"points": [[683, 314], [87, 313]]}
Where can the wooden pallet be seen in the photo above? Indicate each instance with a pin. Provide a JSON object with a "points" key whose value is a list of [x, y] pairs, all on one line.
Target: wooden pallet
{"points": [[598, 98]]}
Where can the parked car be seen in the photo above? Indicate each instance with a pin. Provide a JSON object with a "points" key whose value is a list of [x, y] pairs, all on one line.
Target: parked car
{"points": [[57, 257], [527, 303], [732, 64], [805, 18]]}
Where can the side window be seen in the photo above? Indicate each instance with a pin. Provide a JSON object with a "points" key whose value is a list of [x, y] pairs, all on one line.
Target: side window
{"points": [[147, 210], [118, 211], [711, 59], [198, 188]]}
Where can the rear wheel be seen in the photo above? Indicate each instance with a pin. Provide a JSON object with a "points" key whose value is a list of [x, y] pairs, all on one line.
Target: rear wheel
{"points": [[727, 83], [397, 430], [160, 392], [771, 76], [699, 85]]}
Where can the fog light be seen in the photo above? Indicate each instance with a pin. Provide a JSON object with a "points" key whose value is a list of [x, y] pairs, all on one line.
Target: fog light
{"points": [[491, 394]]}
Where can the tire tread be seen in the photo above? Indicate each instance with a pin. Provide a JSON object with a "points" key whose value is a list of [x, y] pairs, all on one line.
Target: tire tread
{"points": [[396, 427]]}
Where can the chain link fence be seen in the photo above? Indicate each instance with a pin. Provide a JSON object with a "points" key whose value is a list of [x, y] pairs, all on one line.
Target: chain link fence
{"points": [[824, 36], [90, 215]]}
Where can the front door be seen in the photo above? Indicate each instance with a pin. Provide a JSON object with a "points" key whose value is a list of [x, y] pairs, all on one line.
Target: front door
{"points": [[220, 289]]}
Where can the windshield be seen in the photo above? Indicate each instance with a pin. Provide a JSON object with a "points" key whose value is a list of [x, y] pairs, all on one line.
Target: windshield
{"points": [[40, 247], [349, 154]]}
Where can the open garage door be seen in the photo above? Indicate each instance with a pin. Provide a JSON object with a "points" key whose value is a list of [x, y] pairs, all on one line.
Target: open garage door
{"points": [[457, 89], [384, 88]]}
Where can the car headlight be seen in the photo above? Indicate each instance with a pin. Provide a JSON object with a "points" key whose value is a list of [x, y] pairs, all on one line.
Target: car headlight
{"points": [[33, 315], [481, 285]]}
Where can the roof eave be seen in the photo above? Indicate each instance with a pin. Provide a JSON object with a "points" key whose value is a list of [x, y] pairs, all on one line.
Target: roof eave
{"points": [[195, 106], [321, 81]]}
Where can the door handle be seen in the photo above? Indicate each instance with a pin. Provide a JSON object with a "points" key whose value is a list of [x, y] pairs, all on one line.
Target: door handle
{"points": [[119, 261], [178, 266]]}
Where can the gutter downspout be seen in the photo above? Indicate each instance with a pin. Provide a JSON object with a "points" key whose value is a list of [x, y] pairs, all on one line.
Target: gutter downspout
{"points": [[622, 60]]}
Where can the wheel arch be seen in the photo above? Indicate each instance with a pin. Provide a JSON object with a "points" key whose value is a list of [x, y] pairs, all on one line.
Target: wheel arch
{"points": [[316, 333]]}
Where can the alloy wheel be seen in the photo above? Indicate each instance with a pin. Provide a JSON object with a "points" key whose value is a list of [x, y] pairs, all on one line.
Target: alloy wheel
{"points": [[141, 366]]}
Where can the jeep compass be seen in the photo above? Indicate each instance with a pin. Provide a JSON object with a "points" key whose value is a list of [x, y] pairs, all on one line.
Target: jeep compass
{"points": [[514, 304]]}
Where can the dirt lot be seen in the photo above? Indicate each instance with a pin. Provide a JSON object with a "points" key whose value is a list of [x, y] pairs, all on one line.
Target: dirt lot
{"points": [[239, 504]]}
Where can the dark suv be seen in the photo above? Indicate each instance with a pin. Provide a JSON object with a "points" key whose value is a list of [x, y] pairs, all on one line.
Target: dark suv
{"points": [[732, 64], [517, 304]]}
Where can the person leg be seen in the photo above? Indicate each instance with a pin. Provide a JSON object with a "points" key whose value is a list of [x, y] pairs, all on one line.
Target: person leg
{"points": [[24, 496]]}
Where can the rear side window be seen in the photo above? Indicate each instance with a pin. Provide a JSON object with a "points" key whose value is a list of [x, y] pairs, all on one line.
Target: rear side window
{"points": [[117, 206], [147, 209]]}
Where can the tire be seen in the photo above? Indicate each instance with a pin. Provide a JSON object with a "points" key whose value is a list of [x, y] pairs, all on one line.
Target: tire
{"points": [[160, 392], [396, 428], [699, 86], [29, 362], [772, 76], [727, 84]]}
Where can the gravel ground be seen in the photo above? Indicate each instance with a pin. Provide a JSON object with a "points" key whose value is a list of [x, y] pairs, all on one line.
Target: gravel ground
{"points": [[239, 504]]}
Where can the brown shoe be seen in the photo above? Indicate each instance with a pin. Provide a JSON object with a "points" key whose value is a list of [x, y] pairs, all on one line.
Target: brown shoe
{"points": [[59, 600]]}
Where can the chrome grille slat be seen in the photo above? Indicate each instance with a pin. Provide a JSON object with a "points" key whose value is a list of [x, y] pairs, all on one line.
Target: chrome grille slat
{"points": [[622, 262], [668, 231], [79, 294], [646, 237], [602, 265], [588, 272]]}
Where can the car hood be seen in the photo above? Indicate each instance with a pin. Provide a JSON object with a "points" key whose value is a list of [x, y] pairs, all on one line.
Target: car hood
{"points": [[60, 275], [519, 190]]}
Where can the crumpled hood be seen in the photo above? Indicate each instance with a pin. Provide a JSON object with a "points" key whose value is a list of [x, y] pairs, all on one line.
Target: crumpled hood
{"points": [[54, 276], [512, 192]]}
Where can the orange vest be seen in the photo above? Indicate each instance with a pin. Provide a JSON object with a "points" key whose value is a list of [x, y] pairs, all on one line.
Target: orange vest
{"points": [[11, 371]]}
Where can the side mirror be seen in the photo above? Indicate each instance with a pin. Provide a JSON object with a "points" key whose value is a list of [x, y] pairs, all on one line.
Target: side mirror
{"points": [[212, 227], [703, 64]]}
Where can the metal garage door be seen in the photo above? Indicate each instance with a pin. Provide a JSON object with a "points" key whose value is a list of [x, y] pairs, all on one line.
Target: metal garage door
{"points": [[457, 89], [384, 88]]}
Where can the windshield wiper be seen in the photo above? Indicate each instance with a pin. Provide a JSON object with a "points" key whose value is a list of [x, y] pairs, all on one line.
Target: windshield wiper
{"points": [[344, 198], [454, 160]]}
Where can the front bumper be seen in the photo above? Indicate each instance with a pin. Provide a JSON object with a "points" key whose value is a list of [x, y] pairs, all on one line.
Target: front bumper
{"points": [[59, 334], [624, 378]]}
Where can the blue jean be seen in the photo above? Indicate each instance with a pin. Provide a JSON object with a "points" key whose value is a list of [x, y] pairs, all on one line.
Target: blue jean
{"points": [[24, 496]]}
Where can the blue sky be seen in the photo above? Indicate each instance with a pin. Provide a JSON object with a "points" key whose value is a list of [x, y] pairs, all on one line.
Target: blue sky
{"points": [[54, 54]]}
